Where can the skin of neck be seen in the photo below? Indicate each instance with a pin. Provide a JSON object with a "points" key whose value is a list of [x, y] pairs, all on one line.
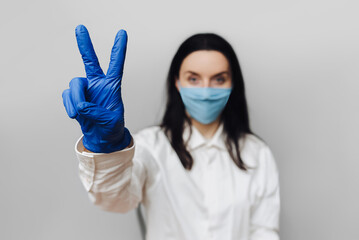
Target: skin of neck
{"points": [[206, 130]]}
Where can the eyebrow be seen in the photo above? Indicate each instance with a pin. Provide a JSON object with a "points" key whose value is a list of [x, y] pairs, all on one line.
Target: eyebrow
{"points": [[217, 74]]}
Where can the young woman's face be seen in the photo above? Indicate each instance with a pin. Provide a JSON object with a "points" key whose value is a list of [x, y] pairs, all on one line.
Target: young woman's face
{"points": [[205, 68]]}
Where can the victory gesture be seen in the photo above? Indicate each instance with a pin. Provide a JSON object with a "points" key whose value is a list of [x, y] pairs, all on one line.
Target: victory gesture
{"points": [[95, 102]]}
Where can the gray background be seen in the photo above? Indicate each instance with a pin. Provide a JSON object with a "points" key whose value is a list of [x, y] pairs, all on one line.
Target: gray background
{"points": [[300, 63]]}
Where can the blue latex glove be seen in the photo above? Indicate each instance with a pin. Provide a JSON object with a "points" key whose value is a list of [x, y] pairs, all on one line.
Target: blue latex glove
{"points": [[96, 101]]}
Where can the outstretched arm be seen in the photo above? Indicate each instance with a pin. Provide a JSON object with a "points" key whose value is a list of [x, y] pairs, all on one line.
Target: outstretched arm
{"points": [[108, 171]]}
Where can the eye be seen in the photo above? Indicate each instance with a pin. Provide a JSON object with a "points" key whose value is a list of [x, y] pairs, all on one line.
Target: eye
{"points": [[192, 79], [220, 80]]}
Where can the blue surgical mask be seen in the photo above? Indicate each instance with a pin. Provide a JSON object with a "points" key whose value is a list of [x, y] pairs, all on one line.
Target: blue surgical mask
{"points": [[204, 104]]}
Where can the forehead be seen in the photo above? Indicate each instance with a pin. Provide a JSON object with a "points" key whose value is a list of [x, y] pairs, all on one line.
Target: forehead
{"points": [[205, 62]]}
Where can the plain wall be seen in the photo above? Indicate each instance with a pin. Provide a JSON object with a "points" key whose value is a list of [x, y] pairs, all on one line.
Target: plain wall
{"points": [[300, 64]]}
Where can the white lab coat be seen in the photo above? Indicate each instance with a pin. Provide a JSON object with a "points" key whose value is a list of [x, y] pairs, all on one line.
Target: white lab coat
{"points": [[214, 200]]}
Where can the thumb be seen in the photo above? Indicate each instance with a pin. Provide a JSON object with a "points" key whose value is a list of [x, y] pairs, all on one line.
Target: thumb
{"points": [[66, 98], [96, 113]]}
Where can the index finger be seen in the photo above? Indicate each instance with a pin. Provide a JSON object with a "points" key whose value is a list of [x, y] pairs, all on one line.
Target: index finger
{"points": [[92, 66], [118, 54]]}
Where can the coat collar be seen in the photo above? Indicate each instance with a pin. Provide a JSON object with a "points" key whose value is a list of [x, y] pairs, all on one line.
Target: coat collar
{"points": [[194, 139]]}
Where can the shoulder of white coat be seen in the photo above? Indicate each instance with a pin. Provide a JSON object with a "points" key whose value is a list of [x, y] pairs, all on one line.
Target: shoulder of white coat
{"points": [[254, 151], [149, 136]]}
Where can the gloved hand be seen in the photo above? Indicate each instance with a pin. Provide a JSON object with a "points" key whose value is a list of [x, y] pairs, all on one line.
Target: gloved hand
{"points": [[95, 102]]}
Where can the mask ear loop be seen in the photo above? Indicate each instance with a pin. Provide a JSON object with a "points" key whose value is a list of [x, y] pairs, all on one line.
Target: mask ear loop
{"points": [[178, 84]]}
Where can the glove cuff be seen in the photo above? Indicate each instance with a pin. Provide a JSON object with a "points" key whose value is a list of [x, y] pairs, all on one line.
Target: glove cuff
{"points": [[109, 147]]}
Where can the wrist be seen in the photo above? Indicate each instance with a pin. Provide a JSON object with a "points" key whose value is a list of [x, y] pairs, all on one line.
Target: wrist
{"points": [[92, 145]]}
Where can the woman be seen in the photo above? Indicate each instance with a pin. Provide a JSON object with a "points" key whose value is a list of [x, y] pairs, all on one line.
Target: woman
{"points": [[201, 174]]}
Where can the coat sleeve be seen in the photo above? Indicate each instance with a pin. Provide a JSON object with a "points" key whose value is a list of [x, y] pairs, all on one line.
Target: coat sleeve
{"points": [[114, 181], [265, 211]]}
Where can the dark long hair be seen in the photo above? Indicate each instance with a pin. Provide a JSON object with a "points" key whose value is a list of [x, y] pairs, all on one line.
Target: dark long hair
{"points": [[235, 114]]}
